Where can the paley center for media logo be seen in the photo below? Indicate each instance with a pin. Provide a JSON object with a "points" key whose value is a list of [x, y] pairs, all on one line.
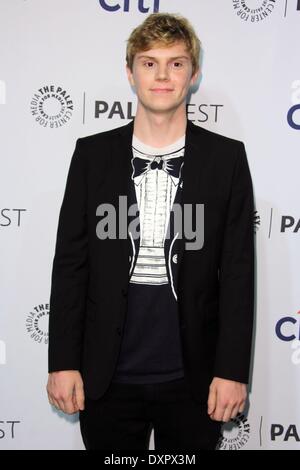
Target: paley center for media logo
{"points": [[143, 6], [287, 329], [235, 434], [256, 221], [203, 112], [51, 106], [293, 115], [291, 5], [37, 323], [253, 11], [7, 429], [284, 432], [286, 224], [11, 217]]}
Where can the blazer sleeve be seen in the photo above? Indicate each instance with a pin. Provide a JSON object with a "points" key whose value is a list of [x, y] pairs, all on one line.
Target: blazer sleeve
{"points": [[69, 271], [236, 277]]}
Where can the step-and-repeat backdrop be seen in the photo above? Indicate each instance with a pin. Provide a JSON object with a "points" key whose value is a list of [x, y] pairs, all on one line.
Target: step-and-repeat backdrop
{"points": [[62, 76]]}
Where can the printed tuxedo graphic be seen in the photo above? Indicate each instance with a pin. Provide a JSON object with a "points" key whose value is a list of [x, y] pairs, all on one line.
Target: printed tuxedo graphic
{"points": [[157, 184]]}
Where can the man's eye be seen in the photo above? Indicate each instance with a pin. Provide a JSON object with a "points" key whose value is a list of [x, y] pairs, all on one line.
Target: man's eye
{"points": [[177, 64], [149, 64]]}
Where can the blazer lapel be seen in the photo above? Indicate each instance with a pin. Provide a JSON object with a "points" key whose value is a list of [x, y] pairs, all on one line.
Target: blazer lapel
{"points": [[130, 245], [196, 161]]}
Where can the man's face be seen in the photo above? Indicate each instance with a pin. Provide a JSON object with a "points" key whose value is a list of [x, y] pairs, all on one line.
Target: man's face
{"points": [[162, 77]]}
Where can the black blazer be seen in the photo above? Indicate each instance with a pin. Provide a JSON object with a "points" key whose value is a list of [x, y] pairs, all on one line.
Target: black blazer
{"points": [[214, 286]]}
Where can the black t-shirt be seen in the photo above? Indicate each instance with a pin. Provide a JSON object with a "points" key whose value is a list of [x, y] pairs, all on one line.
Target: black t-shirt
{"points": [[151, 346]]}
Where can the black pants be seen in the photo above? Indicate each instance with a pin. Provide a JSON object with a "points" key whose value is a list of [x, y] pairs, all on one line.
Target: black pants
{"points": [[122, 419]]}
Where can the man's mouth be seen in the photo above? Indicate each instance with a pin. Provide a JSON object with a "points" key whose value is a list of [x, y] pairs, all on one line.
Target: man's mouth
{"points": [[161, 90]]}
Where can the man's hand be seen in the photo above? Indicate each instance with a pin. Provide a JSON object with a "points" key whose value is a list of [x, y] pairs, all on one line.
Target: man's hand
{"points": [[226, 399], [65, 391]]}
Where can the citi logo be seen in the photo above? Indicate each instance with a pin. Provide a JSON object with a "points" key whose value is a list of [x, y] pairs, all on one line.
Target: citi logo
{"points": [[288, 328], [144, 6], [293, 115]]}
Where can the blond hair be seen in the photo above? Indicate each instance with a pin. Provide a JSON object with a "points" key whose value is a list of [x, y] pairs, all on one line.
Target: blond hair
{"points": [[163, 29]]}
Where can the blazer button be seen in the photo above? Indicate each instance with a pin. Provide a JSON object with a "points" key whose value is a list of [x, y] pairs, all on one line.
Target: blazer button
{"points": [[174, 258], [119, 331]]}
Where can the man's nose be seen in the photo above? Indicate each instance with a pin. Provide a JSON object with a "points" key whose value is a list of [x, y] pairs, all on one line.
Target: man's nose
{"points": [[162, 72]]}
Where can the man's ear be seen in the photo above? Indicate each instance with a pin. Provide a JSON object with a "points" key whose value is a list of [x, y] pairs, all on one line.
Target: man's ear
{"points": [[130, 76], [195, 77]]}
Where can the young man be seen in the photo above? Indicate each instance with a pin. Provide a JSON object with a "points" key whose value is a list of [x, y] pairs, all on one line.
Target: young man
{"points": [[153, 331]]}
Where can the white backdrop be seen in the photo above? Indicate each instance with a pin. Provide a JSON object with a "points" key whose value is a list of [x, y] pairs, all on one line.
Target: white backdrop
{"points": [[62, 76]]}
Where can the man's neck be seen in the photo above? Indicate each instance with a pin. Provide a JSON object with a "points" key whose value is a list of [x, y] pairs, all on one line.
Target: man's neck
{"points": [[158, 130]]}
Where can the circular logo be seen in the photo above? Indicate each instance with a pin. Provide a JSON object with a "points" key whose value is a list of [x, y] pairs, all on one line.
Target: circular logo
{"points": [[234, 434], [37, 323], [51, 106], [253, 11], [256, 221]]}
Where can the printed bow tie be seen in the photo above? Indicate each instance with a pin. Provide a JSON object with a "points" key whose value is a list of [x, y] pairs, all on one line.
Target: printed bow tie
{"points": [[171, 166]]}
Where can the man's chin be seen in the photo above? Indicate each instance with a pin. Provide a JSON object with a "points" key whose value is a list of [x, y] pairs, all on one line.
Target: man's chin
{"points": [[161, 109]]}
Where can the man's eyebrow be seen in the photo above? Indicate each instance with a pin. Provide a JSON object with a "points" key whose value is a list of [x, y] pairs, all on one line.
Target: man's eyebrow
{"points": [[155, 58]]}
